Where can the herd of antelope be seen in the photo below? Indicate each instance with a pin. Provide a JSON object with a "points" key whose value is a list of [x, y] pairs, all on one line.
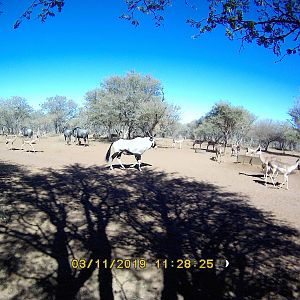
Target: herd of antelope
{"points": [[26, 136], [271, 165]]}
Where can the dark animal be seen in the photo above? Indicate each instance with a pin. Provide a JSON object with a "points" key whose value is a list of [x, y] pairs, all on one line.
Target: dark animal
{"points": [[134, 147], [211, 143], [200, 142], [79, 133], [67, 135], [27, 132]]}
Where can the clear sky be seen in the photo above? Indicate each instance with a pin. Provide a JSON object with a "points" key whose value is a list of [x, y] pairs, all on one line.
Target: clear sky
{"points": [[80, 47]]}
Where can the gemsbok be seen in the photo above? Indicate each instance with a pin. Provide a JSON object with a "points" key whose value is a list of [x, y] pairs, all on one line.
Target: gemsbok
{"points": [[134, 147]]}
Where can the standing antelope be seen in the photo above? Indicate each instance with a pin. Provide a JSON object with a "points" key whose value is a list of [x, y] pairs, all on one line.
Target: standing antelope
{"points": [[211, 143], [235, 149], [175, 141], [10, 139], [265, 160], [200, 142], [29, 142], [219, 152], [252, 151], [274, 166], [134, 147]]}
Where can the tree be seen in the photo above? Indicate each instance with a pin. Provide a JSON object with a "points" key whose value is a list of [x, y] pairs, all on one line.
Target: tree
{"points": [[267, 131], [61, 110], [287, 136], [15, 113], [229, 120], [131, 105], [295, 113], [40, 122], [274, 24], [207, 130]]}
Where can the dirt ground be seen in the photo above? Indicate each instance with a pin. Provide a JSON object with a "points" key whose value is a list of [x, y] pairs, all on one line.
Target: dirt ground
{"points": [[198, 181], [240, 178]]}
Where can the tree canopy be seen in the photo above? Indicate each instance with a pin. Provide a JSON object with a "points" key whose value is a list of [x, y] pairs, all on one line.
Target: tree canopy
{"points": [[295, 113], [129, 105], [273, 24]]}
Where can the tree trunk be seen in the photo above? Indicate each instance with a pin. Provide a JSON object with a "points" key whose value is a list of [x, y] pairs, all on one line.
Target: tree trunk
{"points": [[267, 146]]}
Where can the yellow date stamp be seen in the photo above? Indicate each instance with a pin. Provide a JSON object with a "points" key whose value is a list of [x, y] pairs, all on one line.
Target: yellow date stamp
{"points": [[109, 264], [164, 263]]}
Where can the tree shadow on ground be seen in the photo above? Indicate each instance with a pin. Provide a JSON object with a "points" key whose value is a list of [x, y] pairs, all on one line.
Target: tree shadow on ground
{"points": [[96, 214], [279, 154]]}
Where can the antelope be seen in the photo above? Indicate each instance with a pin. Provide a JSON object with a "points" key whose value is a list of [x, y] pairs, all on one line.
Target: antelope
{"points": [[175, 141], [235, 150], [219, 152], [200, 142], [211, 143], [274, 166], [134, 147], [10, 139], [264, 161], [29, 142], [252, 151]]}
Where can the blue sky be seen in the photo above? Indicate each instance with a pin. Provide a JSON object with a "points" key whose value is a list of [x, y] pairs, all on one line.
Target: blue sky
{"points": [[80, 47]]}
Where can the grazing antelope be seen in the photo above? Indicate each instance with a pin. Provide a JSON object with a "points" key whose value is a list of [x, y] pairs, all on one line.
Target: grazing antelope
{"points": [[10, 139], [274, 166], [219, 150], [134, 147]]}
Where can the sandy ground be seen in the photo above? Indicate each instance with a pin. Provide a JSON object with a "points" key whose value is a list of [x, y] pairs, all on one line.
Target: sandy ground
{"points": [[182, 204], [240, 178]]}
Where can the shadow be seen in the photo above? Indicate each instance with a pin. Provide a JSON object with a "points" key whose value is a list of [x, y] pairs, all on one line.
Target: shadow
{"points": [[269, 184], [209, 150], [14, 149], [252, 175], [56, 216], [128, 166], [281, 154]]}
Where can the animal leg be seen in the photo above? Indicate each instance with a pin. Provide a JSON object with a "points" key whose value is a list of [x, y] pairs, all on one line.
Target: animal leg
{"points": [[285, 180], [139, 160], [32, 147], [272, 176], [119, 160]]}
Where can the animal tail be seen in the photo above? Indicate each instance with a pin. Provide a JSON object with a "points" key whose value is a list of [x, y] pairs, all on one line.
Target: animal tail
{"points": [[108, 153]]}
